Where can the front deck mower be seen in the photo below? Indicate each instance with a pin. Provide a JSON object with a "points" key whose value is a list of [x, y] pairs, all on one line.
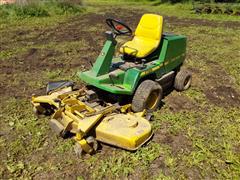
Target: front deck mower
{"points": [[121, 91], [148, 65]]}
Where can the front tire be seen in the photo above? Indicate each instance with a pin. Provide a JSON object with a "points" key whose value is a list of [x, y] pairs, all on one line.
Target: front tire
{"points": [[147, 96]]}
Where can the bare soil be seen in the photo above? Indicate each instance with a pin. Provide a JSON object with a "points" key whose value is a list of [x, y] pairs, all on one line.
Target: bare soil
{"points": [[223, 96], [200, 22]]}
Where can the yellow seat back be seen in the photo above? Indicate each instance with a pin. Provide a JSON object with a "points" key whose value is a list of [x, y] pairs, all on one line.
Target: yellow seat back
{"points": [[147, 36], [150, 26]]}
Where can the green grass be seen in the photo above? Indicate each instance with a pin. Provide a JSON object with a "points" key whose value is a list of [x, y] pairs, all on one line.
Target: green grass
{"points": [[213, 135], [39, 9], [181, 10], [121, 164], [215, 51]]}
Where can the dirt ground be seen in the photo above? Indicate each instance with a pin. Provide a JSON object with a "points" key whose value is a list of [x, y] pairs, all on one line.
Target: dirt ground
{"points": [[44, 57]]}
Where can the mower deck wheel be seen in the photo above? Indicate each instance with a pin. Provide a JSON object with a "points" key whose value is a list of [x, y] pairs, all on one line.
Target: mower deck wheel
{"points": [[147, 96], [36, 112], [56, 126], [78, 150], [40, 111], [183, 80], [93, 143]]}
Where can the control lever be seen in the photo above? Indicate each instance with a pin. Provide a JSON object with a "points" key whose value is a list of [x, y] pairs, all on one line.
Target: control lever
{"points": [[143, 63], [111, 76]]}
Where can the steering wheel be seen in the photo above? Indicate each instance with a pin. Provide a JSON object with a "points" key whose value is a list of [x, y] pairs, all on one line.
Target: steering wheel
{"points": [[118, 27]]}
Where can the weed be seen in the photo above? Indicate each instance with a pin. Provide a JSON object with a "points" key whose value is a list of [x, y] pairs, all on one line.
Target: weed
{"points": [[53, 74], [65, 146], [123, 163], [40, 9]]}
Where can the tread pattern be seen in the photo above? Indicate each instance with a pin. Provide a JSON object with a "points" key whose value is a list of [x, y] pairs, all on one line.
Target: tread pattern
{"points": [[181, 77], [142, 93]]}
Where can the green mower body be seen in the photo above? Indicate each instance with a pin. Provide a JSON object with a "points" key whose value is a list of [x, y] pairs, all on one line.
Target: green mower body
{"points": [[118, 76]]}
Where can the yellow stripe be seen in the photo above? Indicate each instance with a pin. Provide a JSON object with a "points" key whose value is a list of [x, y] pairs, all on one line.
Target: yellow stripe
{"points": [[155, 68], [173, 59], [158, 67], [151, 70]]}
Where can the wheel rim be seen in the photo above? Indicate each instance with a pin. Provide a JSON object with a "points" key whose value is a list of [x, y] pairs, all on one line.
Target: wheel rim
{"points": [[187, 82], [152, 100]]}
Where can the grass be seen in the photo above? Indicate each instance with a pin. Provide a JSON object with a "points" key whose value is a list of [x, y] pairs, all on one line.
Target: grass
{"points": [[121, 164], [182, 10], [194, 137], [40, 9], [213, 136]]}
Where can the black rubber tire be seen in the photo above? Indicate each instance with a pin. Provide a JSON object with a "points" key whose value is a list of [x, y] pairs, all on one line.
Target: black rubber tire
{"points": [[182, 80], [143, 93], [64, 134], [37, 112], [93, 143], [78, 150]]}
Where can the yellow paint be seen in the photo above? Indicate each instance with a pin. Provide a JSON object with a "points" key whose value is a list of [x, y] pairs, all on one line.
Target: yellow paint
{"points": [[85, 146], [147, 36], [51, 98], [140, 114], [79, 114], [151, 70], [128, 131], [79, 135], [143, 74], [156, 68], [125, 108], [152, 100], [48, 99], [113, 125], [174, 59]]}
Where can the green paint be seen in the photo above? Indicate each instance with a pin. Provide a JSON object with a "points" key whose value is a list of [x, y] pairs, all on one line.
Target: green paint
{"points": [[169, 55], [103, 62]]}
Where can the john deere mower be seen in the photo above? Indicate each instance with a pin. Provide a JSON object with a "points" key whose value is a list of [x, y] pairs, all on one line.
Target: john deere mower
{"points": [[121, 91]]}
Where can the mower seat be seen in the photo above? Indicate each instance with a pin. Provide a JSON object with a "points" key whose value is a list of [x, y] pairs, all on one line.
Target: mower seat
{"points": [[147, 37]]}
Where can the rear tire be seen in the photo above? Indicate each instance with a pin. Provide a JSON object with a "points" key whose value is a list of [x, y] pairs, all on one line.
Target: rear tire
{"points": [[147, 96], [182, 80]]}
